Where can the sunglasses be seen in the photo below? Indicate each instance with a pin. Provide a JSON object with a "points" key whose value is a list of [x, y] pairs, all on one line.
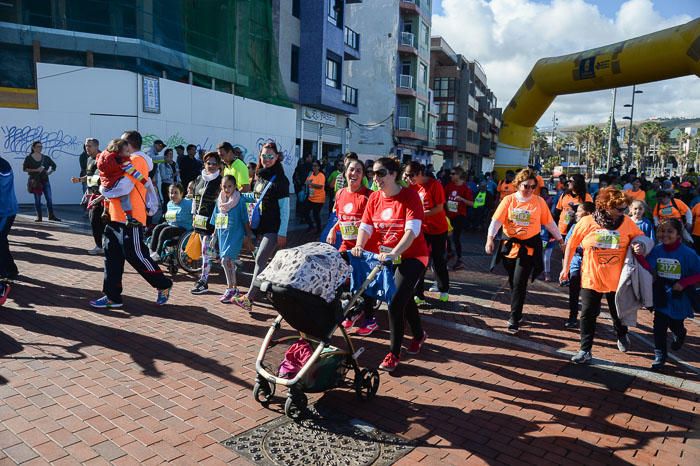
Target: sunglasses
{"points": [[381, 173], [268, 156], [213, 163], [529, 186]]}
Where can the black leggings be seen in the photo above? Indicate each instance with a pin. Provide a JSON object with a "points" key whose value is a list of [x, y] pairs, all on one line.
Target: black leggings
{"points": [[96, 223], [402, 305], [590, 308], [162, 233], [459, 224], [315, 208], [437, 244], [165, 193], [519, 271], [662, 323], [574, 293]]}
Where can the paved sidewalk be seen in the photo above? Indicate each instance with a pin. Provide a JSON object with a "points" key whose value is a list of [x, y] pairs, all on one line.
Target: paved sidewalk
{"points": [[147, 385]]}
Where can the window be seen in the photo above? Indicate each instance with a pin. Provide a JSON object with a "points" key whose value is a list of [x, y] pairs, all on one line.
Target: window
{"points": [[295, 8], [426, 35], [446, 111], [404, 110], [335, 12], [406, 67], [421, 112], [294, 67], [332, 73], [423, 73], [444, 87]]}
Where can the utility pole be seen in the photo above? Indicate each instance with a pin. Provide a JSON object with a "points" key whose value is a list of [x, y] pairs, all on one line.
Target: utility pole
{"points": [[610, 130], [629, 137], [554, 127]]}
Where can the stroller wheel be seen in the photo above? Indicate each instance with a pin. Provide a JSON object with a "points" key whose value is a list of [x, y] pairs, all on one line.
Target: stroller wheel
{"points": [[263, 391], [295, 406], [366, 384]]}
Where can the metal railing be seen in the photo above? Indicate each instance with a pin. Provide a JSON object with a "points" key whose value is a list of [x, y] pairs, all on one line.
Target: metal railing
{"points": [[406, 123], [408, 38], [406, 81], [350, 95], [352, 39]]}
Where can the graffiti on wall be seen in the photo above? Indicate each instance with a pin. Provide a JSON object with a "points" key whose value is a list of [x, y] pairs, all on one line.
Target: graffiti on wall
{"points": [[17, 140], [176, 140]]}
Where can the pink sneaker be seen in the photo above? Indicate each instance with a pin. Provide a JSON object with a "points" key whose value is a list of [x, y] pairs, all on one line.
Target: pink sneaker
{"points": [[243, 302], [229, 294], [390, 362], [416, 344], [367, 327]]}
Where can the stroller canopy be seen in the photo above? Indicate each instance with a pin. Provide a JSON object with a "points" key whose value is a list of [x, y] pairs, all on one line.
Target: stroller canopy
{"points": [[315, 268]]}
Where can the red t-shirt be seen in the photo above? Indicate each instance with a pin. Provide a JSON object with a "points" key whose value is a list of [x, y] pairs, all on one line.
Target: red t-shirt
{"points": [[453, 207], [349, 207], [109, 165], [388, 216], [432, 194]]}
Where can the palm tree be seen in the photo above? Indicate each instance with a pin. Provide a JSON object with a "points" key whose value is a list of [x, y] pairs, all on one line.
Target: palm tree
{"points": [[579, 138], [682, 157], [663, 151]]}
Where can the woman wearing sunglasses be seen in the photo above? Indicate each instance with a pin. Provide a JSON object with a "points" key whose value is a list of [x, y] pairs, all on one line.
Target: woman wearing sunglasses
{"points": [[435, 227], [569, 201], [272, 186], [392, 223], [522, 216], [604, 237], [206, 192]]}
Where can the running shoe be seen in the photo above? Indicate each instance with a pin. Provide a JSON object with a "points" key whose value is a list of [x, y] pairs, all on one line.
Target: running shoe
{"points": [[243, 302], [677, 342], [229, 294], [659, 360], [571, 323], [547, 277], [95, 251], [514, 327], [434, 288], [53, 218], [163, 296], [367, 327], [416, 344], [390, 362], [4, 292], [623, 344], [444, 297], [459, 265], [352, 320], [105, 303], [155, 256], [419, 301], [200, 287], [582, 357]]}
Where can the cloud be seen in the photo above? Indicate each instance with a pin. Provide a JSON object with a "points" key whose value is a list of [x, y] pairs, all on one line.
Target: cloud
{"points": [[508, 36]]}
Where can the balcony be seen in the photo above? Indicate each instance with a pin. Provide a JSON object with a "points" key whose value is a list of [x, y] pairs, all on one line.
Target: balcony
{"points": [[350, 95], [406, 81], [352, 44], [405, 123], [407, 43]]}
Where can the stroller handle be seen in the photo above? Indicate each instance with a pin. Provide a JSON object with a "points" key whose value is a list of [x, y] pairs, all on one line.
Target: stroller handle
{"points": [[366, 255]]}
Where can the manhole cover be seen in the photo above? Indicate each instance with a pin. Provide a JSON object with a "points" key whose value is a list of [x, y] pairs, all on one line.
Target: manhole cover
{"points": [[321, 438]]}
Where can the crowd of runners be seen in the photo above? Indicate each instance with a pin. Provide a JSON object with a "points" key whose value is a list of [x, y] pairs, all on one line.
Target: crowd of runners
{"points": [[633, 241]]}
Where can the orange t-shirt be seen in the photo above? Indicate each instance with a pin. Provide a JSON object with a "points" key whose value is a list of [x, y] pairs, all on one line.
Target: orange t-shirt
{"points": [[317, 195], [522, 219], [506, 189], [567, 213], [636, 196], [603, 252], [137, 196], [696, 220], [540, 185], [668, 211]]}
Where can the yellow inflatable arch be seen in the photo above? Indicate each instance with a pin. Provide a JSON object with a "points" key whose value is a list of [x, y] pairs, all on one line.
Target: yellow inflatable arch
{"points": [[666, 54]]}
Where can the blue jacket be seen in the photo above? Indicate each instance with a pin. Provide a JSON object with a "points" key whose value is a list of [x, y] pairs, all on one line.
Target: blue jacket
{"points": [[8, 203], [668, 267], [647, 228], [382, 287]]}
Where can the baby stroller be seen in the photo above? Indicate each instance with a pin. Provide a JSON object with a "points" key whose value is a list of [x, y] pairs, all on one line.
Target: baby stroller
{"points": [[305, 285]]}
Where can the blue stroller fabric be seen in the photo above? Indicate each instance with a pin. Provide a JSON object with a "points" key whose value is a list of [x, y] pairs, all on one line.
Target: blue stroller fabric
{"points": [[382, 287], [332, 219]]}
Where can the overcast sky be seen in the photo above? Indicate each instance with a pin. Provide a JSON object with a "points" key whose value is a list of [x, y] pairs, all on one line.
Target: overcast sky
{"points": [[508, 36]]}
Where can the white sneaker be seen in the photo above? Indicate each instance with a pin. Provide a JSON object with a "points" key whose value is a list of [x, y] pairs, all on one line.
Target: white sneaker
{"points": [[434, 288], [155, 256], [95, 251]]}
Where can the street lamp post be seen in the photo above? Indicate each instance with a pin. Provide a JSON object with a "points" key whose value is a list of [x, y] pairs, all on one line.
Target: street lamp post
{"points": [[629, 136], [555, 120], [610, 130]]}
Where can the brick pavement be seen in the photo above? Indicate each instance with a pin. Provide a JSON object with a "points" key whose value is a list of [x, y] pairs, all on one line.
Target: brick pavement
{"points": [[147, 385]]}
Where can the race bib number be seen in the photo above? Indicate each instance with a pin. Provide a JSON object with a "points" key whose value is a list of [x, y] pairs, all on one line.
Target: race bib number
{"points": [[348, 230], [452, 206], [607, 239], [200, 221], [667, 211], [668, 268], [520, 217], [170, 216], [387, 250], [221, 221]]}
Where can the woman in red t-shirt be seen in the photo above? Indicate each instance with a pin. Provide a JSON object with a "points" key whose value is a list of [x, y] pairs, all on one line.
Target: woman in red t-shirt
{"points": [[350, 204], [391, 226], [435, 227], [458, 197]]}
